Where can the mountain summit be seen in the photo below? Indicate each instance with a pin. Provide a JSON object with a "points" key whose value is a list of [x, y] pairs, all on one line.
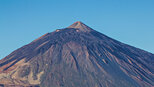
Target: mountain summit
{"points": [[77, 56], [81, 26]]}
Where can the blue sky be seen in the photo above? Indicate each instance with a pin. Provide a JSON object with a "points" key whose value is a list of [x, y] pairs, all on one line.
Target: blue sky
{"points": [[129, 21]]}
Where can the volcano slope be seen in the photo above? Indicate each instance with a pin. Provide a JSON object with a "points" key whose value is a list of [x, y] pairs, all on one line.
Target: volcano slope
{"points": [[77, 56]]}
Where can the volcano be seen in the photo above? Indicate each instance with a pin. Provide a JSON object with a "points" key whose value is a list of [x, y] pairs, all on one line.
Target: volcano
{"points": [[77, 56]]}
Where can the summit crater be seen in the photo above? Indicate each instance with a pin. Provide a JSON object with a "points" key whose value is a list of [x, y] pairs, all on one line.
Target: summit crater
{"points": [[81, 26]]}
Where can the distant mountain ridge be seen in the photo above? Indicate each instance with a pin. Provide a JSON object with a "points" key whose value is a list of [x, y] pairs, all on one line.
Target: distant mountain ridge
{"points": [[77, 56]]}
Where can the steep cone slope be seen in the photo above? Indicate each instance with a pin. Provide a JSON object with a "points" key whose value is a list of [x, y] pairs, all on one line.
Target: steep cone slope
{"points": [[77, 56]]}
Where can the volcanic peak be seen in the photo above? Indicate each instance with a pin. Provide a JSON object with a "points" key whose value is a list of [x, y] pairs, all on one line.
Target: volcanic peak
{"points": [[81, 26]]}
